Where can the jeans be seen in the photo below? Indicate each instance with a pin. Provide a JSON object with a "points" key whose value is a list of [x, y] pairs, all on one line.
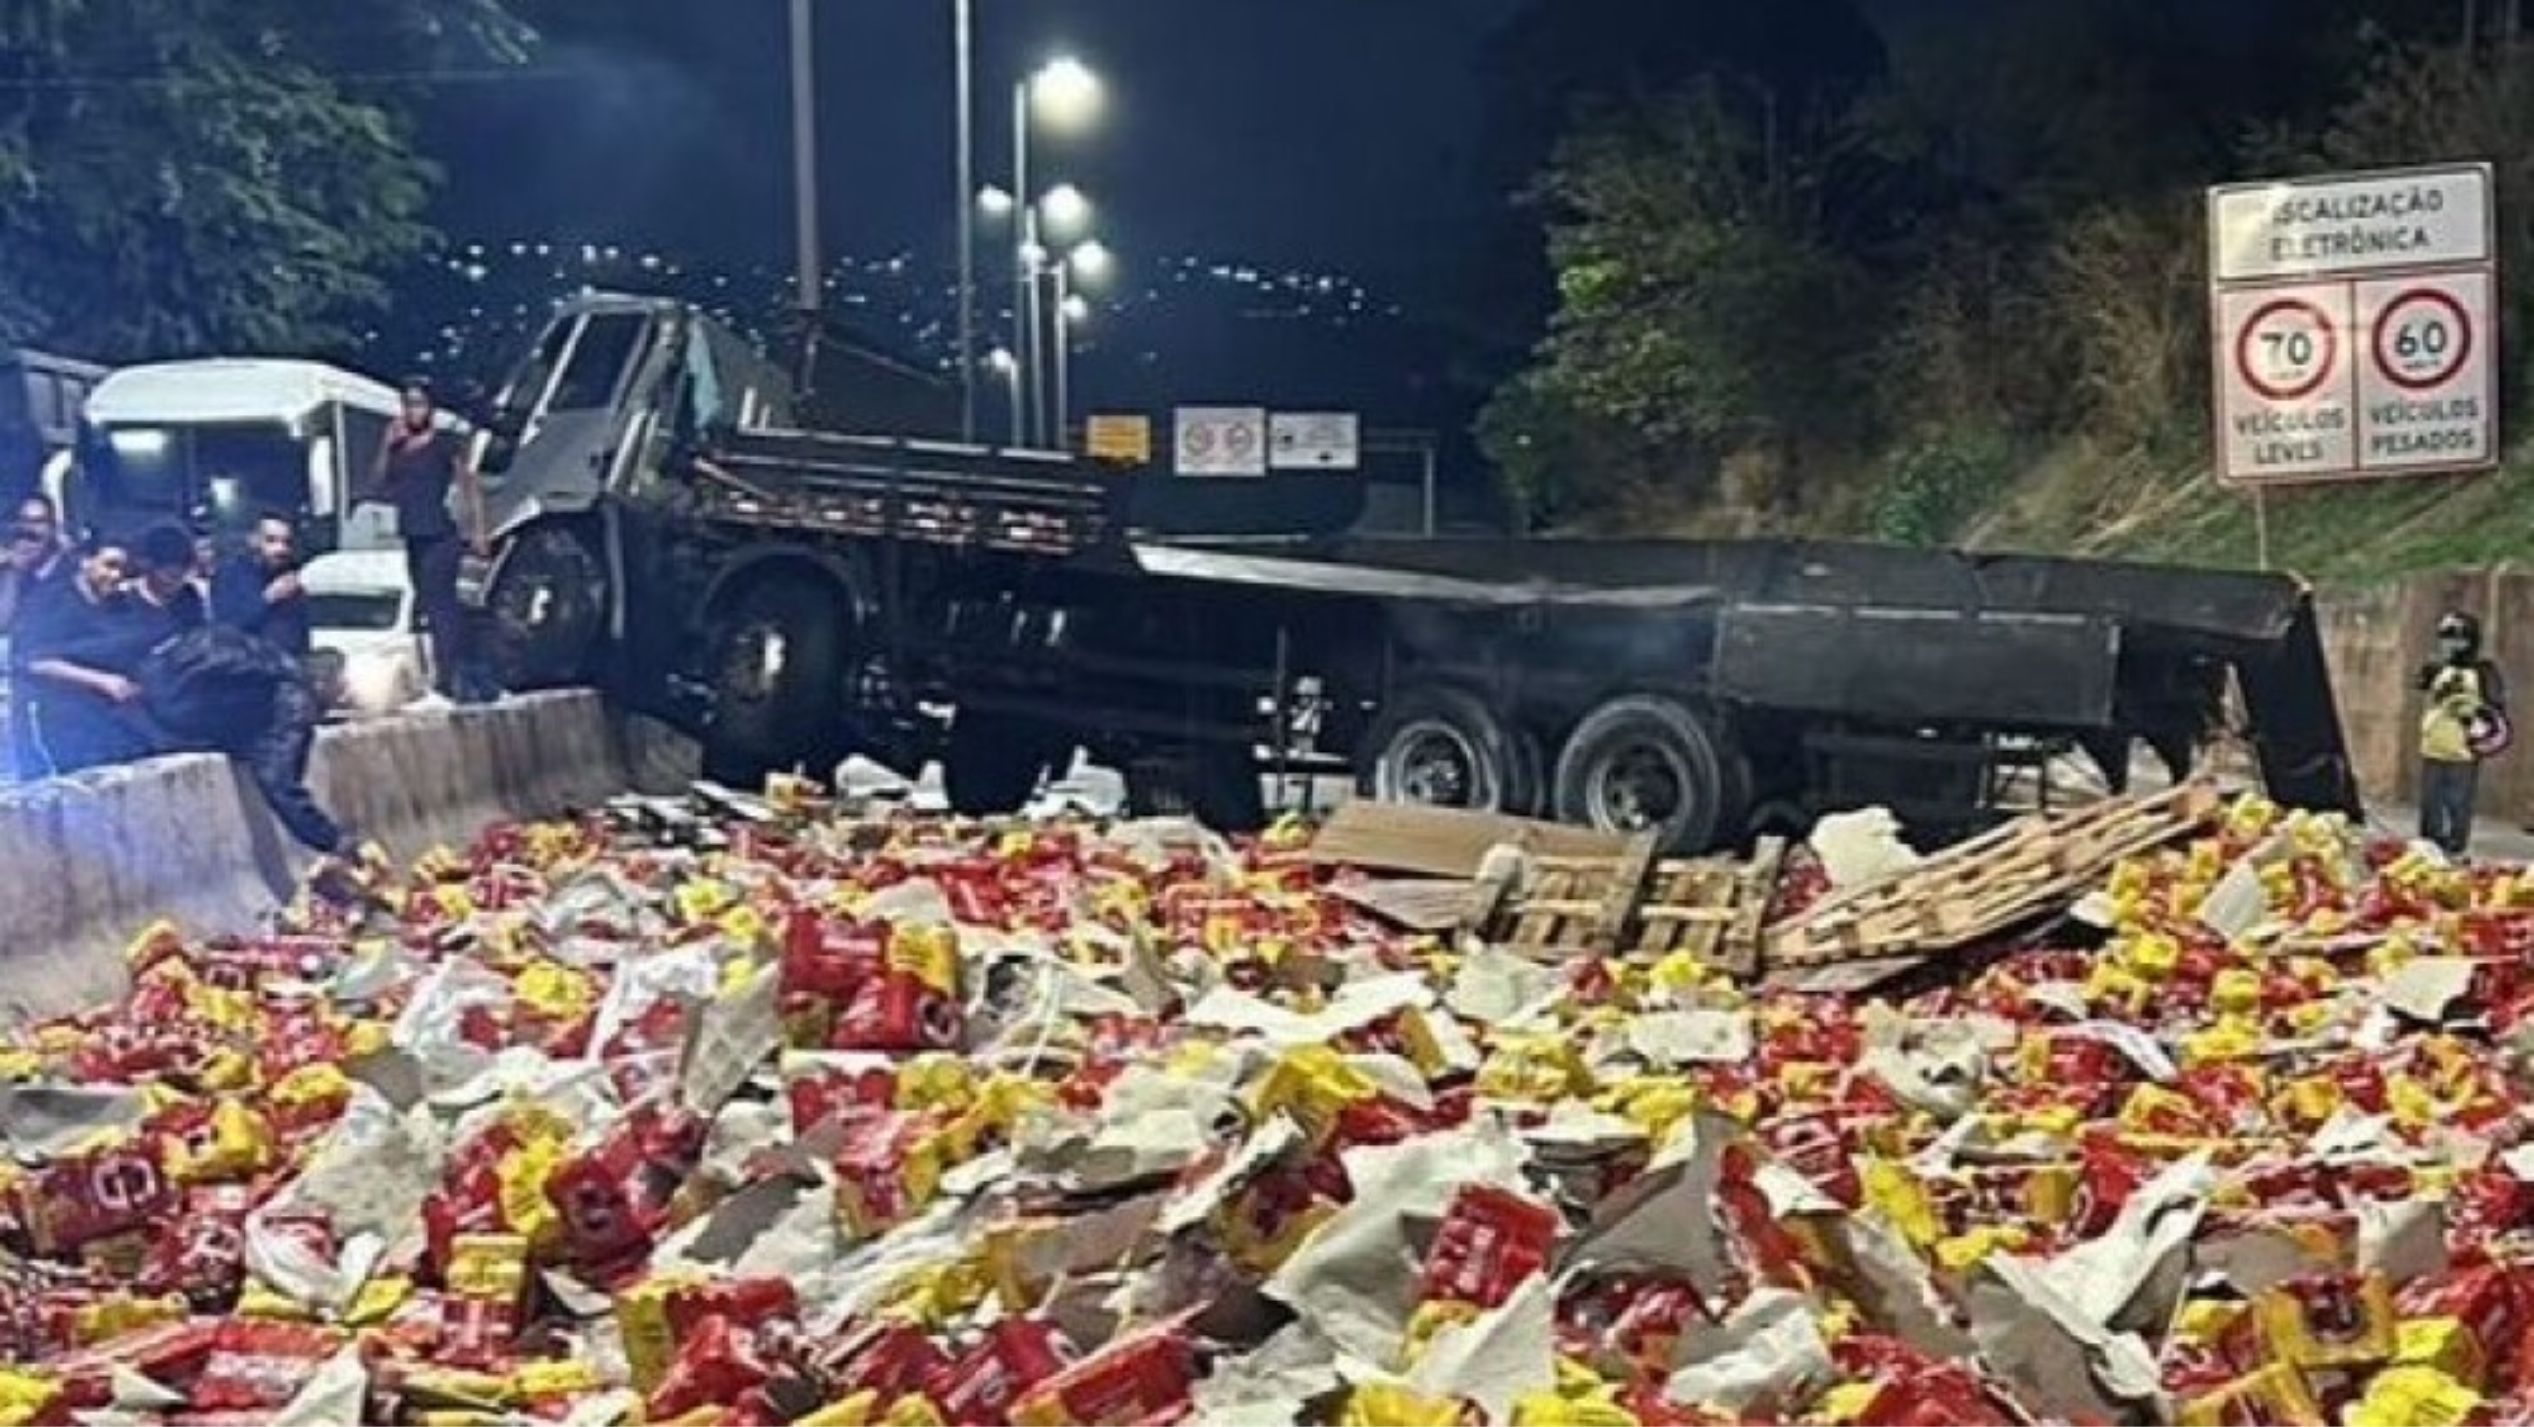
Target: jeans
{"points": [[276, 758], [432, 564], [2447, 791]]}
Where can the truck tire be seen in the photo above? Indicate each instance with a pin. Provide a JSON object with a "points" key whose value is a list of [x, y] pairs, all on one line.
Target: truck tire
{"points": [[1219, 787], [548, 608], [994, 763], [1444, 747], [780, 656], [1646, 763]]}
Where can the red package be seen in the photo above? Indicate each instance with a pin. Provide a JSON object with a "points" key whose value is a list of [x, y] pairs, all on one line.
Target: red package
{"points": [[1489, 1242], [717, 1363], [200, 1253], [92, 1196], [611, 1203], [1128, 1381], [894, 1360], [835, 1086], [1914, 1390], [258, 1365], [1016, 1354], [1812, 1146], [898, 1011], [874, 1190], [754, 1302], [829, 960], [2495, 1304]]}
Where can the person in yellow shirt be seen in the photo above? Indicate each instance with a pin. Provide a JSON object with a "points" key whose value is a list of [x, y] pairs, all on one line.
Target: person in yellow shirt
{"points": [[2463, 721]]}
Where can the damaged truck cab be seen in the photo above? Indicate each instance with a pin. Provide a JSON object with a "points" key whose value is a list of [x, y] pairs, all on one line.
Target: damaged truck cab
{"points": [[668, 529]]}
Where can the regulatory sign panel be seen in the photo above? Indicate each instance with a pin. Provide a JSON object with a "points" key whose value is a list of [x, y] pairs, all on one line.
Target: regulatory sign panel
{"points": [[2410, 218], [1124, 439], [2427, 384], [2352, 325], [1221, 441], [2283, 382], [1313, 441]]}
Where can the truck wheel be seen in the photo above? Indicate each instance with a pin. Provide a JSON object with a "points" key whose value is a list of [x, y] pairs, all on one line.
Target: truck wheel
{"points": [[1644, 764], [994, 763], [548, 610], [779, 675], [1444, 747]]}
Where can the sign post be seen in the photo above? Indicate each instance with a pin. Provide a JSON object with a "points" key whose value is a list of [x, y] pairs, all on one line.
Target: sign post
{"points": [[2353, 328], [1220, 441]]}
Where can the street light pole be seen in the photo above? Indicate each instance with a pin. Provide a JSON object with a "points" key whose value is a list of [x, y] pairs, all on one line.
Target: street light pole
{"points": [[966, 195], [1025, 278], [805, 182], [1064, 357]]}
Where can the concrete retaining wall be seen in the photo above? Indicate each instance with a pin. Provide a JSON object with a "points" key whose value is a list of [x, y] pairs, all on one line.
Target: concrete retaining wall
{"points": [[2376, 638], [86, 862]]}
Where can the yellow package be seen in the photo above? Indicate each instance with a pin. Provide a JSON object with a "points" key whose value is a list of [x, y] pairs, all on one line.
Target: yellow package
{"points": [[492, 1268], [2411, 1396], [239, 1145], [2204, 1320], [520, 1176], [2306, 1102], [2231, 1037], [1314, 1084], [1548, 1409], [2236, 991], [1848, 1403], [1431, 1318], [25, 1396], [935, 1082], [2276, 1396], [854, 1411], [378, 1300], [930, 954], [122, 1313], [914, 1410], [2281, 1315], [642, 1319], [1890, 1189], [700, 900], [1959, 1252], [1263, 1252], [553, 990], [1386, 1405], [2444, 1344], [561, 1377]]}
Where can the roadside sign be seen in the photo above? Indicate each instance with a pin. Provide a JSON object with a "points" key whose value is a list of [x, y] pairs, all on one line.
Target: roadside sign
{"points": [[2352, 325], [1221, 441], [2284, 394], [2308, 227], [2428, 390], [1314, 441], [1127, 440]]}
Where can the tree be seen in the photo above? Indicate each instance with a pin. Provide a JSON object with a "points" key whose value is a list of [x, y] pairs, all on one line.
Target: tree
{"points": [[181, 176], [1710, 291]]}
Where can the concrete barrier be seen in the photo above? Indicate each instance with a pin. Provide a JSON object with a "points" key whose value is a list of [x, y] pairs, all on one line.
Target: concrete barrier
{"points": [[85, 862]]}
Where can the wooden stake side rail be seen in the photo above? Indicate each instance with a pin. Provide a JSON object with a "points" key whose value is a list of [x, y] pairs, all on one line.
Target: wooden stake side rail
{"points": [[1988, 885]]}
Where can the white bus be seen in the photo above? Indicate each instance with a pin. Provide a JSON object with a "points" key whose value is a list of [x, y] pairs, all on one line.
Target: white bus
{"points": [[217, 442]]}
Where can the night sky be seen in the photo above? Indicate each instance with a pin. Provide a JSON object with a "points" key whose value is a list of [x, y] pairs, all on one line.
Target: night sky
{"points": [[1330, 132]]}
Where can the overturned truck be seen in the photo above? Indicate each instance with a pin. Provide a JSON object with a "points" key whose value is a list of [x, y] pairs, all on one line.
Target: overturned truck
{"points": [[670, 531]]}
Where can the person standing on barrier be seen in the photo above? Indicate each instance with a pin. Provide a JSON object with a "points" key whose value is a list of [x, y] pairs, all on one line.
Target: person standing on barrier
{"points": [[421, 464], [2465, 721]]}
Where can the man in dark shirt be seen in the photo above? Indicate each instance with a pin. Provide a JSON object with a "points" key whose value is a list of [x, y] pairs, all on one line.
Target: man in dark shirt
{"points": [[257, 590], [419, 464], [72, 661], [34, 560]]}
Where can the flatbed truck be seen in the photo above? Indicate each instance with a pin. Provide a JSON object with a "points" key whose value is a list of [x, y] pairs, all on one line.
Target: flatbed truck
{"points": [[667, 530]]}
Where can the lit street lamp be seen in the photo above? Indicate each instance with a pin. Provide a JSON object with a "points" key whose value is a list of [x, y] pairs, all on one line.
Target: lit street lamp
{"points": [[994, 203], [1064, 93], [1090, 261], [1065, 209], [1003, 364]]}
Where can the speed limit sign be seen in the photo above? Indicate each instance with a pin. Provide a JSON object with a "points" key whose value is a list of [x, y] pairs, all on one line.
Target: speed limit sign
{"points": [[2428, 389], [2284, 389]]}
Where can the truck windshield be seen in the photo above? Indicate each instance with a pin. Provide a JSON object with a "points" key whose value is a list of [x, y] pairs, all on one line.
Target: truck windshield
{"points": [[598, 362]]}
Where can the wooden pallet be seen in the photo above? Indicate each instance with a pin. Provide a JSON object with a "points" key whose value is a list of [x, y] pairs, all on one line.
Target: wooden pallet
{"points": [[1988, 885], [1639, 907]]}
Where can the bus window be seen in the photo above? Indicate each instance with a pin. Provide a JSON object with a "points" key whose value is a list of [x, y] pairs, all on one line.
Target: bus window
{"points": [[247, 470]]}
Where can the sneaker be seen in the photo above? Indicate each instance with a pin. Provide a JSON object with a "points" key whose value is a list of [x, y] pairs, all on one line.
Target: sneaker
{"points": [[433, 702]]}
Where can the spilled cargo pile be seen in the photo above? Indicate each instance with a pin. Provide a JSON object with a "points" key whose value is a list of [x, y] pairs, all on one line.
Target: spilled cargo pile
{"points": [[802, 1118]]}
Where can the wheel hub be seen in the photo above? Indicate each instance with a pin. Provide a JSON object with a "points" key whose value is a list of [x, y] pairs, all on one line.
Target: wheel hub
{"points": [[1434, 764], [1639, 788]]}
